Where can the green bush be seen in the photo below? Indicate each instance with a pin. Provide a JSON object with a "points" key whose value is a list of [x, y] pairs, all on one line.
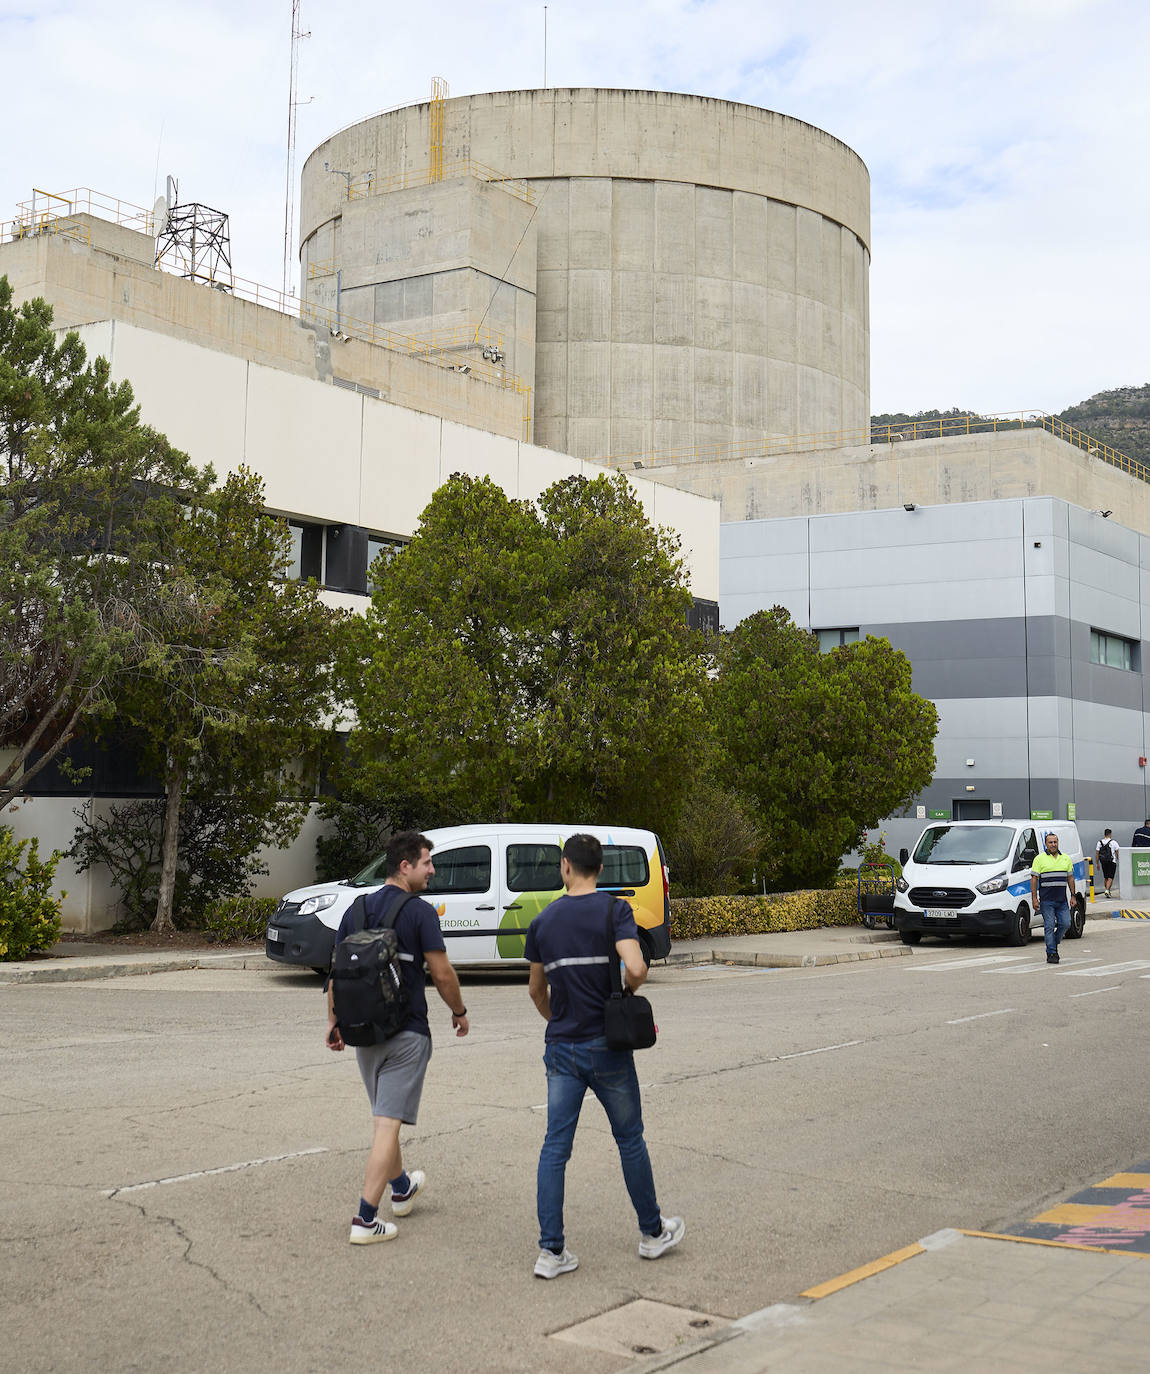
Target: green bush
{"points": [[238, 918], [29, 914], [693, 918]]}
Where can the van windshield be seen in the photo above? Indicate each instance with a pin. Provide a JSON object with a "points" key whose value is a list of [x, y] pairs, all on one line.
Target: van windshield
{"points": [[952, 844]]}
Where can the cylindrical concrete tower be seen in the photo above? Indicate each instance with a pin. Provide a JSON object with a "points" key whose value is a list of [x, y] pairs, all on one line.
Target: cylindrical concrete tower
{"points": [[667, 271]]}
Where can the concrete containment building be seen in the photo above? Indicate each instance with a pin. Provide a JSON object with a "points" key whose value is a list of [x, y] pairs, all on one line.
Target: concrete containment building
{"points": [[663, 271]]}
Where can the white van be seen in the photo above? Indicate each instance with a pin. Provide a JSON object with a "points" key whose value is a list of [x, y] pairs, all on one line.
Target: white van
{"points": [[973, 878], [490, 883]]}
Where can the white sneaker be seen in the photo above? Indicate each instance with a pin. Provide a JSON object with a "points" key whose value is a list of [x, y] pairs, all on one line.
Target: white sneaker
{"points": [[403, 1205], [674, 1229], [369, 1232], [549, 1266]]}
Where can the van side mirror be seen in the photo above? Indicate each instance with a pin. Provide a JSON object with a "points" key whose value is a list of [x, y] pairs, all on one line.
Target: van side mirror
{"points": [[904, 857]]}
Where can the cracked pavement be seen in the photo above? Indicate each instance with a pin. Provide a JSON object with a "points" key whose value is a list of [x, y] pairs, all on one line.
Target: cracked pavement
{"points": [[788, 1170]]}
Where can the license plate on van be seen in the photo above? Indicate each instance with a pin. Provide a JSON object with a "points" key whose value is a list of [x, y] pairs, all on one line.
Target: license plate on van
{"points": [[274, 934], [937, 913]]}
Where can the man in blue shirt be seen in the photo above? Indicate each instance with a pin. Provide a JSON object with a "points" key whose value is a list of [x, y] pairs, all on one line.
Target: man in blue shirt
{"points": [[393, 1071], [569, 952]]}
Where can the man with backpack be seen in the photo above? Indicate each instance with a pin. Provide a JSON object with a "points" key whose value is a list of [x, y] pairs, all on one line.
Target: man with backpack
{"points": [[1106, 852], [367, 1009], [570, 953]]}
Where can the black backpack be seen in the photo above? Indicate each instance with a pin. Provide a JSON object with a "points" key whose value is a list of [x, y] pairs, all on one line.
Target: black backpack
{"points": [[369, 995]]}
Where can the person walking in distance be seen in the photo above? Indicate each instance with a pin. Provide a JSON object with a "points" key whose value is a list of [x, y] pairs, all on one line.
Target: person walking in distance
{"points": [[569, 952], [393, 1071], [1051, 876], [1106, 853]]}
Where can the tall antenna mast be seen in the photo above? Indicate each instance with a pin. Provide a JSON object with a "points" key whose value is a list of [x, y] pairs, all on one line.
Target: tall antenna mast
{"points": [[544, 47], [289, 189]]}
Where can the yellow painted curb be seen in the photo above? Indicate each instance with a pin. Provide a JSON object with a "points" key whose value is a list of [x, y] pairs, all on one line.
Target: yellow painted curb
{"points": [[824, 1290], [1124, 1181], [1054, 1244]]}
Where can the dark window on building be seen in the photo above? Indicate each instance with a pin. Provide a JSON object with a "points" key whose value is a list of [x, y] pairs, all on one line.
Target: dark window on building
{"points": [[345, 561], [833, 639], [381, 544], [306, 556], [107, 767], [704, 615], [1112, 651]]}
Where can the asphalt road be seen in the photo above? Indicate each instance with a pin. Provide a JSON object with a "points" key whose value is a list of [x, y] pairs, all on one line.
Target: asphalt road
{"points": [[803, 1122]]}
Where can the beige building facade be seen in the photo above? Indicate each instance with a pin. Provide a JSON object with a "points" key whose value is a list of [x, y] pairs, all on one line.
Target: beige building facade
{"points": [[662, 270]]}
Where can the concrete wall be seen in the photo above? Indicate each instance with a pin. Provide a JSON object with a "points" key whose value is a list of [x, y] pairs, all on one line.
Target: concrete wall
{"points": [[112, 280], [993, 603], [975, 467], [702, 265]]}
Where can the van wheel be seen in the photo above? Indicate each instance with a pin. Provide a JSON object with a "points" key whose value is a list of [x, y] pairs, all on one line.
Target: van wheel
{"points": [[910, 937], [1019, 932], [1077, 918]]}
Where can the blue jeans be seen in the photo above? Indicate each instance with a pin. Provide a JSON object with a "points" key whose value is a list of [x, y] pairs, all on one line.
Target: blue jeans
{"points": [[1055, 922], [572, 1068]]}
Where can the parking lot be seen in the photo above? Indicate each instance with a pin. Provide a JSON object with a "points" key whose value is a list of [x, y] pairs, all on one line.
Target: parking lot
{"points": [[181, 1155]]}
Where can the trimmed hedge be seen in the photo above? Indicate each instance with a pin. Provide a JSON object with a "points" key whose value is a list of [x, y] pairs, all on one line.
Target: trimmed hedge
{"points": [[693, 918], [239, 918]]}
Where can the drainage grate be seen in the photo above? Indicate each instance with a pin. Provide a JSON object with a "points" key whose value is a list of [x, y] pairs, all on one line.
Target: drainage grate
{"points": [[642, 1328]]}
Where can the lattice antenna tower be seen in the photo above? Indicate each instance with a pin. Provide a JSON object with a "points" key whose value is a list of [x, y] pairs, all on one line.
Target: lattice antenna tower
{"points": [[439, 93], [194, 241], [293, 104]]}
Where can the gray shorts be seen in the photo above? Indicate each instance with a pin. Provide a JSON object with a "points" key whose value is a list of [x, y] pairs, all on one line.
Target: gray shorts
{"points": [[393, 1074]]}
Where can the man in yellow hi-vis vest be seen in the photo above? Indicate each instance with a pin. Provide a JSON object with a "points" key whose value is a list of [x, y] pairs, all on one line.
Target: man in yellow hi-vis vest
{"points": [[1052, 891]]}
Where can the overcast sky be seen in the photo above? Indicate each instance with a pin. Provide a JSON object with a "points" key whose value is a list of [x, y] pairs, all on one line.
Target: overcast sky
{"points": [[1006, 141]]}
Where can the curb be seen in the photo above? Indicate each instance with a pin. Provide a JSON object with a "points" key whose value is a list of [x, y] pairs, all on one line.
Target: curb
{"points": [[61, 972], [781, 961]]}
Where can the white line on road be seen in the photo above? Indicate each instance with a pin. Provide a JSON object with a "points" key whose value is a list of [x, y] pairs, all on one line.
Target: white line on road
{"points": [[975, 961], [982, 1015], [1041, 964], [824, 1049], [207, 1173], [1095, 991], [1106, 971]]}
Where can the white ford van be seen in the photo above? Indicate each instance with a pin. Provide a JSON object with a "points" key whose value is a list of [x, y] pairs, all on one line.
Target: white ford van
{"points": [[490, 883], [973, 878]]}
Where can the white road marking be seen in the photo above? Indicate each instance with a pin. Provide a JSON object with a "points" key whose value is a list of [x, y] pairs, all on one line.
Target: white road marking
{"points": [[1095, 991], [982, 1015], [1106, 971], [824, 1049], [207, 1173], [975, 961], [1039, 965]]}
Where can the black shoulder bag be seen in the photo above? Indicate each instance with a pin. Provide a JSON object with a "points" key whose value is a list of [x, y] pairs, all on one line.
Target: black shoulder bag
{"points": [[628, 1021]]}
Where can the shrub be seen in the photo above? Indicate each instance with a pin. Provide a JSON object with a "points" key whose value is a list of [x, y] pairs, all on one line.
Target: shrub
{"points": [[29, 914], [714, 841], [692, 918], [238, 918]]}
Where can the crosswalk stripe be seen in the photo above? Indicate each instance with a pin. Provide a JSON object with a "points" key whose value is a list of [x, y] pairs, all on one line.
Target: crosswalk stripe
{"points": [[976, 961], [1106, 970]]}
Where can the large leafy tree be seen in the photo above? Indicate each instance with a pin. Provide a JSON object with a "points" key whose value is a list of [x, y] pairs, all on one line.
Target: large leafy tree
{"points": [[527, 661], [86, 494], [233, 684], [825, 745]]}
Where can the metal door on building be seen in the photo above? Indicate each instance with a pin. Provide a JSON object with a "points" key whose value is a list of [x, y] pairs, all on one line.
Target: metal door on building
{"points": [[969, 810]]}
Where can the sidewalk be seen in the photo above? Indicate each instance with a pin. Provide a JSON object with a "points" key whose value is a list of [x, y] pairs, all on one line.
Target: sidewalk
{"points": [[79, 961], [956, 1300]]}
